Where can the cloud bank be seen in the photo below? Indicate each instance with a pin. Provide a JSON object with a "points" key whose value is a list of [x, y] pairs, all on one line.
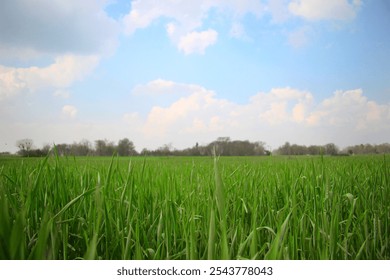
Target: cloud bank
{"points": [[325, 10], [61, 74], [196, 114], [278, 115], [55, 27]]}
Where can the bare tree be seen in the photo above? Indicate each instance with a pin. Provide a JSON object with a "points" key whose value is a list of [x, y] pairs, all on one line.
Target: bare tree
{"points": [[25, 146]]}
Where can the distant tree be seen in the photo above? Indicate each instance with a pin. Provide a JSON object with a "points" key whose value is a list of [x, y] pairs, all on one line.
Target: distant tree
{"points": [[37, 153], [220, 146], [240, 148], [100, 147], [223, 146], [25, 146], [46, 149], [285, 149], [164, 150], [62, 149], [203, 150], [83, 148], [314, 150], [195, 151], [104, 148], [259, 149], [145, 152], [383, 148], [26, 149], [126, 148], [331, 149]]}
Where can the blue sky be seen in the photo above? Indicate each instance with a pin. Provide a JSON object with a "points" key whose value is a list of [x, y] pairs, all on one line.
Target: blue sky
{"points": [[181, 72]]}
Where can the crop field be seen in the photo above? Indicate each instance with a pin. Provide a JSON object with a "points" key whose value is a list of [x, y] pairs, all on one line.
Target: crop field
{"points": [[195, 208]]}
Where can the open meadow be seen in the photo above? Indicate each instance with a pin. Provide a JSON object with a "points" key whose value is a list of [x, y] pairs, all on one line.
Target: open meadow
{"points": [[276, 207]]}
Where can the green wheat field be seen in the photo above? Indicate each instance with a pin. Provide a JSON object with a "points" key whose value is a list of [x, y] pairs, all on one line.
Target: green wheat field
{"points": [[157, 208]]}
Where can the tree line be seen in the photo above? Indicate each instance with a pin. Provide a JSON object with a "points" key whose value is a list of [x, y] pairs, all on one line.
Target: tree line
{"points": [[332, 149], [124, 147], [223, 146]]}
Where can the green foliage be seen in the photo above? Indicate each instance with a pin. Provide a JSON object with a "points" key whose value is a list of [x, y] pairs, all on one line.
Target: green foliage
{"points": [[195, 208]]}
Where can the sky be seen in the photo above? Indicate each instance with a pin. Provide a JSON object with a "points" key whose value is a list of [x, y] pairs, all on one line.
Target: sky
{"points": [[182, 72]]}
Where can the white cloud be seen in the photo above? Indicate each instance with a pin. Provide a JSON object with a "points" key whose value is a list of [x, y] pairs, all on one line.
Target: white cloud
{"points": [[161, 84], [171, 29], [241, 7], [199, 115], [155, 87], [161, 87], [280, 105], [325, 10], [282, 114], [278, 10], [298, 112], [56, 27], [187, 18], [197, 42], [160, 121], [353, 110], [187, 14], [67, 37], [61, 74], [69, 111]]}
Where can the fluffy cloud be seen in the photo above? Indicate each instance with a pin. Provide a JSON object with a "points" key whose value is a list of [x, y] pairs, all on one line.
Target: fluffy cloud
{"points": [[278, 115], [197, 42], [325, 10], [69, 111], [161, 87], [62, 73], [197, 114], [60, 42], [186, 18], [281, 106], [177, 116], [351, 109], [187, 15], [55, 27]]}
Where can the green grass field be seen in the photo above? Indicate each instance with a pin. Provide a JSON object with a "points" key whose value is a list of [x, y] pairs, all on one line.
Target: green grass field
{"points": [[195, 208]]}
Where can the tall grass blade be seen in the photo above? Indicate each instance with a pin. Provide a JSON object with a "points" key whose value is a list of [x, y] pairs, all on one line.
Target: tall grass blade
{"points": [[211, 240], [276, 250], [220, 201]]}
